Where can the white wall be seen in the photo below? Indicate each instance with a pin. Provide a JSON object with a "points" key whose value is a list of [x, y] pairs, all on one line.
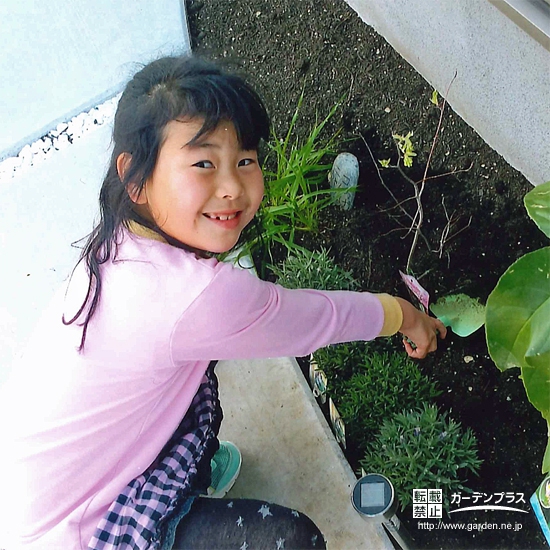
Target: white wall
{"points": [[503, 85], [61, 57]]}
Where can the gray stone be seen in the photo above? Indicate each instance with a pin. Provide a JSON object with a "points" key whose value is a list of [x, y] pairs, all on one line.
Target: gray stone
{"points": [[345, 174]]}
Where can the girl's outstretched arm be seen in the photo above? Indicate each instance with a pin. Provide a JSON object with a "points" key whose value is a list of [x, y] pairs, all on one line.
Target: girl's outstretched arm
{"points": [[238, 316]]}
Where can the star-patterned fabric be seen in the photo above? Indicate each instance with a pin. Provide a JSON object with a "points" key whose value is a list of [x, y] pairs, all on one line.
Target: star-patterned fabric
{"points": [[245, 524]]}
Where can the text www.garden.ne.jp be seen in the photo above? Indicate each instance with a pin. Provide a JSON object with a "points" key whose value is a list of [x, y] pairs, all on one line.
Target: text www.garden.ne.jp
{"points": [[458, 526]]}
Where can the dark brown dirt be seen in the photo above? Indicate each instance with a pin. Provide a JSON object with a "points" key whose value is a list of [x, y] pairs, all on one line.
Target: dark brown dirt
{"points": [[323, 47]]}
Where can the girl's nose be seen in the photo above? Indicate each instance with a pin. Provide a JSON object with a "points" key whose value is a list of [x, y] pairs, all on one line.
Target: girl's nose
{"points": [[231, 186]]}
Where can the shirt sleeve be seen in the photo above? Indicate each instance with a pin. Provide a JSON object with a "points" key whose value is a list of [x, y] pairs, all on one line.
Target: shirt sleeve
{"points": [[393, 315], [238, 316]]}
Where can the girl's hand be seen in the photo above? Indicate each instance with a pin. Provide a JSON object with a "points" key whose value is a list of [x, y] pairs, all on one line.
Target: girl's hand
{"points": [[419, 329]]}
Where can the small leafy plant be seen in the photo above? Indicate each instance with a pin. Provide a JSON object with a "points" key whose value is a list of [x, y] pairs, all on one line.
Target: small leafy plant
{"points": [[422, 449], [317, 270], [406, 148], [518, 315], [381, 385]]}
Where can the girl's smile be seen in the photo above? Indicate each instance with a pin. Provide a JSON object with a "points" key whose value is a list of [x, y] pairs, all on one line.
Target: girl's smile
{"points": [[202, 193], [229, 220]]}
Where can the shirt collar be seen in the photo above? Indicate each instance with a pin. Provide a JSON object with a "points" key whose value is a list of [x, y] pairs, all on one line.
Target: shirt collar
{"points": [[142, 231]]}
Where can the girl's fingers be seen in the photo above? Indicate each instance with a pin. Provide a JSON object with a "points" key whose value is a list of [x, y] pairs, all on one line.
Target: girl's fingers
{"points": [[441, 328], [408, 348], [420, 352], [413, 352]]}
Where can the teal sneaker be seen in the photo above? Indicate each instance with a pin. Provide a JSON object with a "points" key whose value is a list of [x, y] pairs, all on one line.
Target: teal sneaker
{"points": [[226, 466]]}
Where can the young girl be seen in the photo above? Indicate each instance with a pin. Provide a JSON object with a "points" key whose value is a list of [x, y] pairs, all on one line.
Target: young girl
{"points": [[114, 406]]}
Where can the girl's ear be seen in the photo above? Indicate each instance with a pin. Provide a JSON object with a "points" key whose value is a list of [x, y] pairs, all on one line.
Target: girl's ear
{"points": [[122, 164]]}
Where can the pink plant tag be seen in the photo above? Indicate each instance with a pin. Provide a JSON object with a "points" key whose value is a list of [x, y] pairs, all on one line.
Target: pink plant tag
{"points": [[417, 289]]}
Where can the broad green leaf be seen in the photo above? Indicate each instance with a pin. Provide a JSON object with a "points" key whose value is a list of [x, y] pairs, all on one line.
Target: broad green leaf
{"points": [[537, 339], [537, 202], [460, 312], [520, 298], [536, 379], [546, 458], [536, 370]]}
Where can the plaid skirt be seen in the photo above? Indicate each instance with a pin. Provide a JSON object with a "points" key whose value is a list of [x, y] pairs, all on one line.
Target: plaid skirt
{"points": [[145, 515]]}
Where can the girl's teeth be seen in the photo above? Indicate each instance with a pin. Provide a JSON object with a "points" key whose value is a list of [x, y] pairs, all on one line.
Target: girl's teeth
{"points": [[223, 218]]}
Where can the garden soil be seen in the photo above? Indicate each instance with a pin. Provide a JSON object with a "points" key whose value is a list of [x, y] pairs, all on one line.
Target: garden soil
{"points": [[474, 223]]}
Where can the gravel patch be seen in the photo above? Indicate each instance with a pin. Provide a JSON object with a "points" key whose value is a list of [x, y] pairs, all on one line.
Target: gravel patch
{"points": [[63, 136]]}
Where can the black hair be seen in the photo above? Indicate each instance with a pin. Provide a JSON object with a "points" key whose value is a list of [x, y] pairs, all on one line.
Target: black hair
{"points": [[166, 89]]}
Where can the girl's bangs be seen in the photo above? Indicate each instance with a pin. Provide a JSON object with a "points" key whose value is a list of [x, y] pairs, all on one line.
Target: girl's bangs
{"points": [[216, 105]]}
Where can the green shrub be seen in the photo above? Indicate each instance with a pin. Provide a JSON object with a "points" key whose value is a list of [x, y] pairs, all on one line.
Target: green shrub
{"points": [[306, 269], [368, 387], [422, 449], [339, 363]]}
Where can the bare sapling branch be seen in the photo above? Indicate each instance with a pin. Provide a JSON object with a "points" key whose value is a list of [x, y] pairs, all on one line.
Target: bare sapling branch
{"points": [[419, 190], [447, 234], [398, 204], [405, 152]]}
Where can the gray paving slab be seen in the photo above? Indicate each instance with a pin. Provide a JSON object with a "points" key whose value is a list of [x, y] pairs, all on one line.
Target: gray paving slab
{"points": [[43, 210], [290, 456]]}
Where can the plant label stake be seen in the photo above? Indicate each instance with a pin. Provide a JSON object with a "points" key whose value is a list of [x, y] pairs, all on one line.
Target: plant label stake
{"points": [[337, 423], [373, 497], [417, 290], [540, 502], [318, 381]]}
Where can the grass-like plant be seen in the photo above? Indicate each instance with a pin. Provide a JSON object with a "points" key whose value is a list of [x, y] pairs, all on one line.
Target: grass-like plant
{"points": [[306, 269], [369, 387], [294, 194], [423, 449]]}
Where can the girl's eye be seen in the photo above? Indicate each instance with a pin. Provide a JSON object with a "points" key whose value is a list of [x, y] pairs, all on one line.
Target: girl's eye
{"points": [[246, 162], [203, 164]]}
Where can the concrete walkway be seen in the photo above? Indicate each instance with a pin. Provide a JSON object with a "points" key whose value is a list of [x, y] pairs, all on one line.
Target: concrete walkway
{"points": [[290, 456]]}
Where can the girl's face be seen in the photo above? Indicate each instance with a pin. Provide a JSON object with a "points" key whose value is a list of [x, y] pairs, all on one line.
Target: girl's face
{"points": [[202, 194]]}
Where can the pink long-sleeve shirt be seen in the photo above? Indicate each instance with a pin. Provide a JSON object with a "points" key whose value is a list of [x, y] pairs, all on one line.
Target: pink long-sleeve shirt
{"points": [[81, 426]]}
